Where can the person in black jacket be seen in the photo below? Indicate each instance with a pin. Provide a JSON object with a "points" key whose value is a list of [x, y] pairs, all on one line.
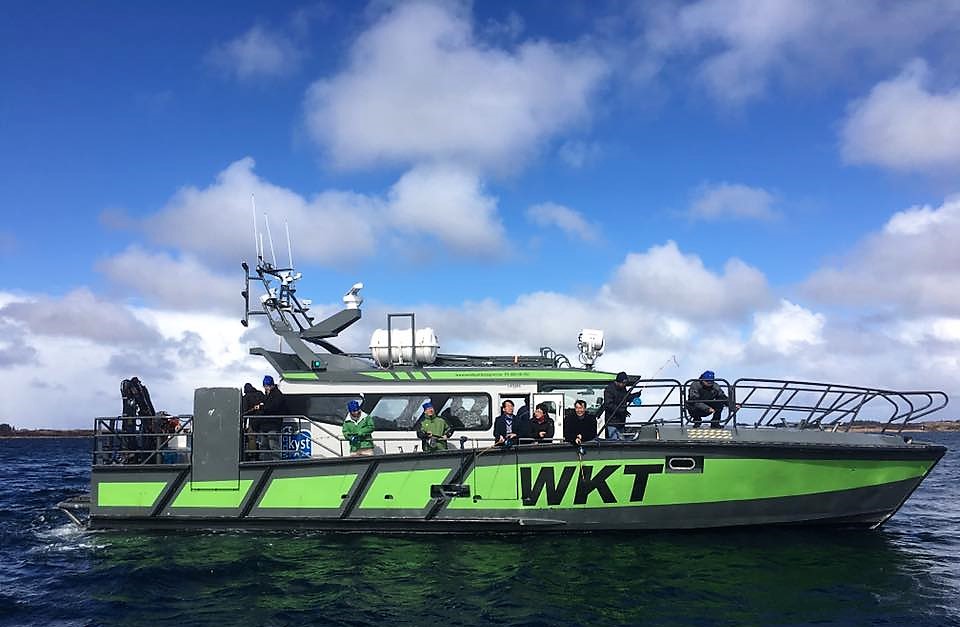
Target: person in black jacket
{"points": [[615, 401], [706, 398], [273, 408], [252, 398], [541, 426], [508, 428], [579, 426]]}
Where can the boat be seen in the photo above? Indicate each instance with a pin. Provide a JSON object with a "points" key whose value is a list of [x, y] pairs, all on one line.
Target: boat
{"points": [[787, 452]]}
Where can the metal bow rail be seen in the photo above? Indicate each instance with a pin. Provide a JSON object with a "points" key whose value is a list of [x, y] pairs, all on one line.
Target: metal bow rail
{"points": [[778, 403], [830, 406]]}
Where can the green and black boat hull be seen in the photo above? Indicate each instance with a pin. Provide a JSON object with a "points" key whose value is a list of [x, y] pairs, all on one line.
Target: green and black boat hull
{"points": [[648, 484]]}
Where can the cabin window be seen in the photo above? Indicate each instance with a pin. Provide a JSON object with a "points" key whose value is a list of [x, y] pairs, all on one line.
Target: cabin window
{"points": [[470, 412], [397, 412], [327, 409], [591, 393]]}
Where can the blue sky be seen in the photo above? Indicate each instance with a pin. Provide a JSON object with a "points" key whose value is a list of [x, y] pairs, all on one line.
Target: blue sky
{"points": [[764, 188]]}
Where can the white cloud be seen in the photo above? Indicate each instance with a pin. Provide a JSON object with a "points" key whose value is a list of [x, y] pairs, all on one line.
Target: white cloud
{"points": [[14, 349], [172, 352], [183, 284], [257, 53], [193, 215], [912, 265], [740, 47], [78, 314], [564, 218], [670, 281], [732, 200], [420, 86], [448, 203], [176, 351], [788, 328], [444, 201], [925, 330], [903, 125]]}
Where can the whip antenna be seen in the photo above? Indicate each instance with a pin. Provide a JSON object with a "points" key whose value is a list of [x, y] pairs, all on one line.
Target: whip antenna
{"points": [[273, 251], [286, 227], [256, 246]]}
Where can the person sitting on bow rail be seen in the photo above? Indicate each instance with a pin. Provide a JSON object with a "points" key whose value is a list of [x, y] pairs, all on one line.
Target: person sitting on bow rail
{"points": [[357, 429], [615, 401], [433, 430], [706, 398], [578, 425]]}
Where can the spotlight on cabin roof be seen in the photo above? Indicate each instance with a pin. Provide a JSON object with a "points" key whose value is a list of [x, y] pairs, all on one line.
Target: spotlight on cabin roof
{"points": [[590, 344]]}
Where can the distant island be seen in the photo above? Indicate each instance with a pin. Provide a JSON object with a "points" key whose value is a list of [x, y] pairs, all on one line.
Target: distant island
{"points": [[912, 427], [8, 431]]}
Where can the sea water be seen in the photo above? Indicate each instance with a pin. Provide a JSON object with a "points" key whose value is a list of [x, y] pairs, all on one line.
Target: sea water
{"points": [[51, 573]]}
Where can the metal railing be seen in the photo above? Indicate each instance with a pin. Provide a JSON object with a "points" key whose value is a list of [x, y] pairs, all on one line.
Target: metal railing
{"points": [[142, 440], [750, 403], [778, 403], [829, 406]]}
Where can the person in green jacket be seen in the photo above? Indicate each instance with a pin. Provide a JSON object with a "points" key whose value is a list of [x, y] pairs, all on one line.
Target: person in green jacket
{"points": [[433, 430], [357, 428]]}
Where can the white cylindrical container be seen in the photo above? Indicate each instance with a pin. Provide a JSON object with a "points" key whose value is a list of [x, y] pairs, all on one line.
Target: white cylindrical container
{"points": [[422, 351]]}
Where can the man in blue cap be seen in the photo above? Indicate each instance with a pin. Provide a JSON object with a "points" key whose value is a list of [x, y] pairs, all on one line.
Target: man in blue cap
{"points": [[705, 398], [357, 429], [433, 430], [273, 408]]}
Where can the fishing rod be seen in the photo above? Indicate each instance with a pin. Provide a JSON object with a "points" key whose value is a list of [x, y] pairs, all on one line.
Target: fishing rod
{"points": [[626, 397]]}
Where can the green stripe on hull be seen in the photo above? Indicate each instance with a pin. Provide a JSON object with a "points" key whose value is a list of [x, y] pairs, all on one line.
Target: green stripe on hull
{"points": [[559, 374], [300, 376], [212, 494], [129, 493], [324, 492], [633, 482], [383, 376], [564, 374], [402, 489]]}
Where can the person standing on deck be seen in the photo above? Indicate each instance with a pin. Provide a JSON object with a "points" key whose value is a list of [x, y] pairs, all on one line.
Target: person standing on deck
{"points": [[357, 429], [507, 428], [433, 430], [541, 425], [273, 408], [705, 398], [579, 427], [615, 401], [252, 398]]}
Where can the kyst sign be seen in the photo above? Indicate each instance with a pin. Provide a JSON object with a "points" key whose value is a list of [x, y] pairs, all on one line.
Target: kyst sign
{"points": [[588, 479]]}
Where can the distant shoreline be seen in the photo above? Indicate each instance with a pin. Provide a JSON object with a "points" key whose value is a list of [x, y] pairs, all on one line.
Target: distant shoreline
{"points": [[47, 433]]}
